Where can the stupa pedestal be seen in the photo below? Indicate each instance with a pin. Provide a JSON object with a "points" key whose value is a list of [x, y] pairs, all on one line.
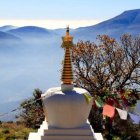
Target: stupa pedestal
{"points": [[51, 133]]}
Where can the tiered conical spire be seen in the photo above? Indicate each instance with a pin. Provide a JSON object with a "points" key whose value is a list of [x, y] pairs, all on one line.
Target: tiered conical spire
{"points": [[67, 73]]}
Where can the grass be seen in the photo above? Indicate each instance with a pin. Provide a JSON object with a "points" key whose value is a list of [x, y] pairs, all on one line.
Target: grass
{"points": [[18, 131], [14, 131]]}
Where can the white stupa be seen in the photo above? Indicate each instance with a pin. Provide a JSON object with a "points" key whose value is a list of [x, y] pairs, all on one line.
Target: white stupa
{"points": [[66, 108]]}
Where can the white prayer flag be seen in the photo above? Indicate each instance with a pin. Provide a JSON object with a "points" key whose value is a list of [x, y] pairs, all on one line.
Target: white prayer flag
{"points": [[122, 114]]}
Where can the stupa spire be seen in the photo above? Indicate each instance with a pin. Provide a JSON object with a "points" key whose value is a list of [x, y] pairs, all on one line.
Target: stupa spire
{"points": [[67, 72]]}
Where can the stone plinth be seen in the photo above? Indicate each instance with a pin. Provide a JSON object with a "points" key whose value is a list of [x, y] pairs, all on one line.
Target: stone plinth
{"points": [[51, 133]]}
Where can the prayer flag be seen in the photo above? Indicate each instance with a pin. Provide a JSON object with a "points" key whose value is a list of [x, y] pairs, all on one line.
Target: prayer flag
{"points": [[137, 109], [109, 111], [122, 114], [87, 97], [135, 118], [98, 104]]}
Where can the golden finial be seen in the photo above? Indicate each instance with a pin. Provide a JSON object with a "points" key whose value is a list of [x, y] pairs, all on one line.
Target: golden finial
{"points": [[67, 32], [67, 73]]}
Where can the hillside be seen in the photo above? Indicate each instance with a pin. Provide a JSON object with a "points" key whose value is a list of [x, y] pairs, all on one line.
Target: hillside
{"points": [[7, 36], [12, 131]]}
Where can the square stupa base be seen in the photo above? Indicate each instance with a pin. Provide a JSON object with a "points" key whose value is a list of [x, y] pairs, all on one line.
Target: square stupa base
{"points": [[51, 133]]}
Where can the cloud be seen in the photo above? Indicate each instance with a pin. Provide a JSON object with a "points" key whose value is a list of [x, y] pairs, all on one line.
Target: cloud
{"points": [[50, 24]]}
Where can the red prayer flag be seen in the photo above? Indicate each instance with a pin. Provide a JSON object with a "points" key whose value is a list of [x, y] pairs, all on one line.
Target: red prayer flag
{"points": [[108, 110]]}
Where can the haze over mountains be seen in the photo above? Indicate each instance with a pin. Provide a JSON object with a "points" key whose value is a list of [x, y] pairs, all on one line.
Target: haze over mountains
{"points": [[30, 57]]}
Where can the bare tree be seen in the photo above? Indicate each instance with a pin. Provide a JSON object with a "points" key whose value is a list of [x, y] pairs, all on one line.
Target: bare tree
{"points": [[107, 65]]}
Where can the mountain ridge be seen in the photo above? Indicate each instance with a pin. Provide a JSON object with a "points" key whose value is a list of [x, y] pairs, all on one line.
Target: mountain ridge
{"points": [[7, 28], [115, 26], [126, 22]]}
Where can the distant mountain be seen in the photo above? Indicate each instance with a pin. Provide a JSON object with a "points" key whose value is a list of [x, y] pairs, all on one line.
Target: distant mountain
{"points": [[34, 35], [31, 31], [7, 108], [7, 36], [7, 28], [127, 22], [9, 41]]}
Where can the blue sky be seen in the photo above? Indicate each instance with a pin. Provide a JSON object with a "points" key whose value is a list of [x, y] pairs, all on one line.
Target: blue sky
{"points": [[93, 11]]}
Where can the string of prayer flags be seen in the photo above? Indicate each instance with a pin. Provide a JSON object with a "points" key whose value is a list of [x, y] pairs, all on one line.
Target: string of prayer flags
{"points": [[108, 111], [122, 114], [134, 118]]}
